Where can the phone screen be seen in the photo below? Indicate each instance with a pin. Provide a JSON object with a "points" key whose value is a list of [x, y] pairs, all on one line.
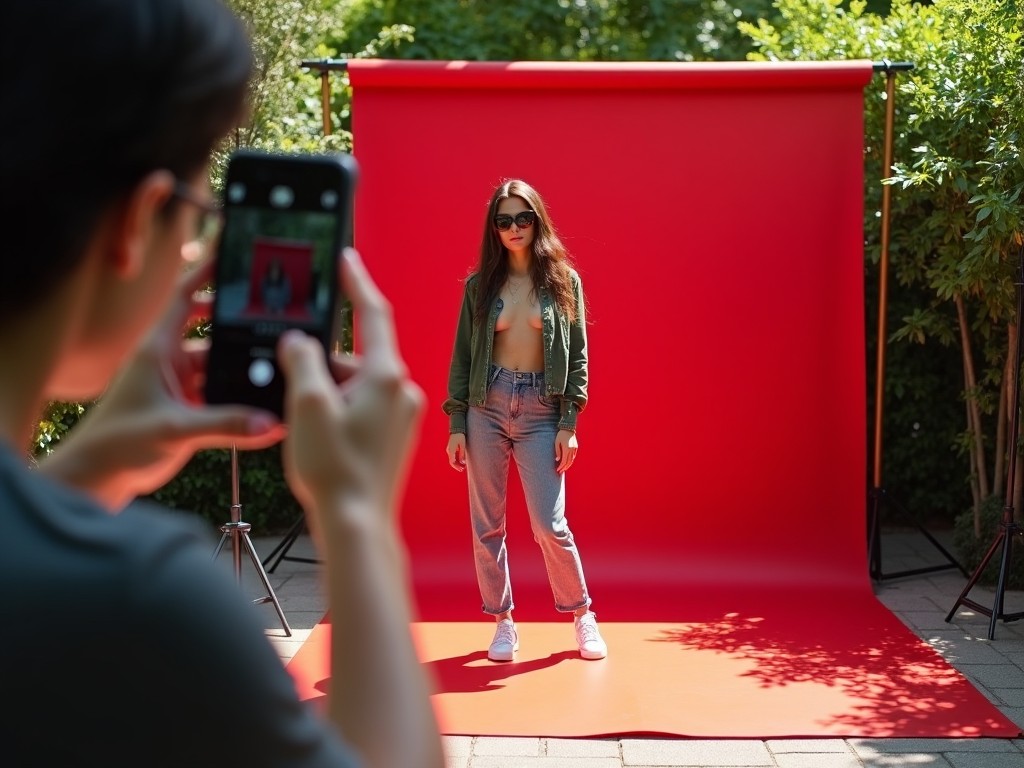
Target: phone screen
{"points": [[286, 220]]}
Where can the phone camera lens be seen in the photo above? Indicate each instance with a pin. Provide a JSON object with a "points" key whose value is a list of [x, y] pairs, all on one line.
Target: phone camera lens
{"points": [[329, 199], [281, 196]]}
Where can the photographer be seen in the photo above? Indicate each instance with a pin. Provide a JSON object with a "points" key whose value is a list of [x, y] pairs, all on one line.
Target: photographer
{"points": [[125, 643]]}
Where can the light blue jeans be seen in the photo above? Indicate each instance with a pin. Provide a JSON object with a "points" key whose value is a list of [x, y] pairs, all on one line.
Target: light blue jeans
{"points": [[517, 420]]}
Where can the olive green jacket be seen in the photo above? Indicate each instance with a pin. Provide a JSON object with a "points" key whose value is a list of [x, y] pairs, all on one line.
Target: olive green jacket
{"points": [[565, 356]]}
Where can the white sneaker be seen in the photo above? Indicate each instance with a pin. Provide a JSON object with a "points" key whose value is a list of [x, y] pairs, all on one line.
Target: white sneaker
{"points": [[505, 643], [588, 637]]}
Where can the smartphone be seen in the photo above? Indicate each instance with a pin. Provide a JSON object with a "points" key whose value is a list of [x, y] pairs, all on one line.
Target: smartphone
{"points": [[286, 219]]}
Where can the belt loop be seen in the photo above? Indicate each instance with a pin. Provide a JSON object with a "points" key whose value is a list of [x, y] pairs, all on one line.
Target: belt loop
{"points": [[495, 372]]}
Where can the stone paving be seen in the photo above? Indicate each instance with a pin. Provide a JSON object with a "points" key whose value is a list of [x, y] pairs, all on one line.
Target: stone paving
{"points": [[921, 601]]}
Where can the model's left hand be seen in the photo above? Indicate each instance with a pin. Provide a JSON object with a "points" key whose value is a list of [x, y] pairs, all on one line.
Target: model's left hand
{"points": [[566, 448], [151, 420]]}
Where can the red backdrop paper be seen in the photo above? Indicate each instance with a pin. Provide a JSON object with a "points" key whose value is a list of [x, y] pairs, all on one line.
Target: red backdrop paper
{"points": [[714, 212]]}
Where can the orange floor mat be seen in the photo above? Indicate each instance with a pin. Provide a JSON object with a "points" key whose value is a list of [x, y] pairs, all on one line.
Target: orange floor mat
{"points": [[774, 668]]}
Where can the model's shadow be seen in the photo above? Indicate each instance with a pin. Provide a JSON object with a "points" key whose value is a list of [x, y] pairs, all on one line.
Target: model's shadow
{"points": [[473, 672]]}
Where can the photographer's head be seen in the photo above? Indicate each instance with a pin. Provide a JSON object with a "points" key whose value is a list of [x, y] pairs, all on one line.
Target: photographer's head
{"points": [[109, 104]]}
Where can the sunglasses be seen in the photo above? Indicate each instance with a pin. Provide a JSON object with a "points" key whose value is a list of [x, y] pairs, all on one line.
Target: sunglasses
{"points": [[523, 220]]}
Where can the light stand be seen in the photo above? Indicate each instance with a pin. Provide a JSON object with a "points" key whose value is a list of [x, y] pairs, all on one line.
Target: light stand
{"points": [[1008, 527], [878, 492], [238, 532]]}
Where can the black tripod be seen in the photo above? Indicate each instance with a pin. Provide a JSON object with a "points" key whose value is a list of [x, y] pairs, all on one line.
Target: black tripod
{"points": [[1008, 527], [238, 532]]}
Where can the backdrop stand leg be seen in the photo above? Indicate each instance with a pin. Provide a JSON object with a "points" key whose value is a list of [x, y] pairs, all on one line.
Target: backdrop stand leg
{"points": [[1008, 527], [238, 532], [280, 552], [878, 499]]}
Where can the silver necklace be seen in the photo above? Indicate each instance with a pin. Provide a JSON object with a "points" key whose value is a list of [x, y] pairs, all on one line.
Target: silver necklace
{"points": [[513, 293]]}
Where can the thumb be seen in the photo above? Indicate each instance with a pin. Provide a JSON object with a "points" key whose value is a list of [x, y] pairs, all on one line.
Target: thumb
{"points": [[302, 359]]}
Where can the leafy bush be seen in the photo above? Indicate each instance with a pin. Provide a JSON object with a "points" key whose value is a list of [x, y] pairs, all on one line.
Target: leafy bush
{"points": [[57, 420], [612, 30]]}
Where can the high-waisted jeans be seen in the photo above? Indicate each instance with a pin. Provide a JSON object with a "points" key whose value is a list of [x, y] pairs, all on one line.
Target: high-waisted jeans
{"points": [[517, 420]]}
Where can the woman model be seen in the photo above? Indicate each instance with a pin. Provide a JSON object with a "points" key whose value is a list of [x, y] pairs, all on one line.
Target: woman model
{"points": [[276, 288], [518, 380]]}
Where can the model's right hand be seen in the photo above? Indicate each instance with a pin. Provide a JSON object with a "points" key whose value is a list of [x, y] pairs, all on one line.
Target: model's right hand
{"points": [[457, 451]]}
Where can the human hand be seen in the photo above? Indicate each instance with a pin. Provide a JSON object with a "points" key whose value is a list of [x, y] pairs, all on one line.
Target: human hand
{"points": [[151, 420], [457, 451], [566, 447], [350, 428]]}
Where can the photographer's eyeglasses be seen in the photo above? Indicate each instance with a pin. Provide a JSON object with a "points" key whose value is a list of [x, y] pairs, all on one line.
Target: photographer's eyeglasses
{"points": [[523, 220], [211, 217]]}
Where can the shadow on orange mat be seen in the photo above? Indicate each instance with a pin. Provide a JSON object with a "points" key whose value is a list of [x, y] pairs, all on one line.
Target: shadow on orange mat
{"points": [[763, 670]]}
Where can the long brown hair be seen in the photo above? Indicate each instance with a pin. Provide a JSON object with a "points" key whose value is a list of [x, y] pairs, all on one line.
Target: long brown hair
{"points": [[549, 267]]}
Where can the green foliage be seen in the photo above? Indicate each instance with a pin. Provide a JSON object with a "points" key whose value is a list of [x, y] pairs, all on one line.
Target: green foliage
{"points": [[971, 549], [961, 182], [285, 101], [964, 117], [544, 30], [57, 420]]}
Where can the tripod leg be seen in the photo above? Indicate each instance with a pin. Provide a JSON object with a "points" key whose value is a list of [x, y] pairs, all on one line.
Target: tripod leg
{"points": [[976, 575], [220, 544], [1004, 567], [266, 583]]}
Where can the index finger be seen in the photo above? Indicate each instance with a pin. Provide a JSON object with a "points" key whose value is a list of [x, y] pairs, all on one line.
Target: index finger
{"points": [[376, 326]]}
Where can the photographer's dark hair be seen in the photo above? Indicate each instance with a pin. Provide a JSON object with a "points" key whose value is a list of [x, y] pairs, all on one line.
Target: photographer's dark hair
{"points": [[155, 84]]}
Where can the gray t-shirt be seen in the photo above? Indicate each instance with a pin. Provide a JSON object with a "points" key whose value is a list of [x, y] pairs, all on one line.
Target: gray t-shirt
{"points": [[124, 644]]}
